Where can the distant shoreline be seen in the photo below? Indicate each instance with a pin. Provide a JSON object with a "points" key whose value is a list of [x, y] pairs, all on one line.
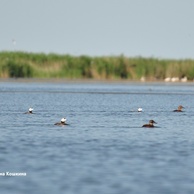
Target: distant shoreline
{"points": [[89, 81]]}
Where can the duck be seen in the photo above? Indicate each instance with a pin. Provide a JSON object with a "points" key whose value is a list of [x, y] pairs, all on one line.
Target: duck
{"points": [[139, 110], [180, 107], [63, 122], [29, 111], [151, 124]]}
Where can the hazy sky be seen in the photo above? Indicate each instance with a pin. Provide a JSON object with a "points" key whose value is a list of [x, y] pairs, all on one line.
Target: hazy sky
{"points": [[147, 28]]}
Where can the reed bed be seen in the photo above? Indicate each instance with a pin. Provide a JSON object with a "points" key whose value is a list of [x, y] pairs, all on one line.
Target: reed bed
{"points": [[40, 65]]}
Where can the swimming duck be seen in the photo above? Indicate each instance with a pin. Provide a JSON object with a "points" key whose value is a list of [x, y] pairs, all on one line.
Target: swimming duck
{"points": [[139, 109], [29, 111], [179, 109], [63, 122], [151, 124]]}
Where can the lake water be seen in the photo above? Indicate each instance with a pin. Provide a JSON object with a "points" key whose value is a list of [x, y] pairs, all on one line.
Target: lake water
{"points": [[104, 149]]}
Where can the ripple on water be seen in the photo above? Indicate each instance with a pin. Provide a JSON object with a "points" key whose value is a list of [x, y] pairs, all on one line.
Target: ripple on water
{"points": [[104, 149]]}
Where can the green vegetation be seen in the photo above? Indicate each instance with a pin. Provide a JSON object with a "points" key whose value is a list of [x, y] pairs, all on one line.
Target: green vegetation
{"points": [[39, 65]]}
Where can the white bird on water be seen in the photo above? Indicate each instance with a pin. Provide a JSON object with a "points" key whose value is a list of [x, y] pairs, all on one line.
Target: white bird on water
{"points": [[139, 109]]}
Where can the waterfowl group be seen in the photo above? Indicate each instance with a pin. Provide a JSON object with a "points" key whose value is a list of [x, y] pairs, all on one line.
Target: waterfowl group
{"points": [[63, 120], [151, 122], [149, 125]]}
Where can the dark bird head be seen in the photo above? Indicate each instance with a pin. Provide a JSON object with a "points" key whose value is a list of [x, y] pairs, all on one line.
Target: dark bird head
{"points": [[180, 107], [152, 122]]}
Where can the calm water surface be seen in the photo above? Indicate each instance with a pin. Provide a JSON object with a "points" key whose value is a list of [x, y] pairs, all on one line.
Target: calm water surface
{"points": [[104, 149]]}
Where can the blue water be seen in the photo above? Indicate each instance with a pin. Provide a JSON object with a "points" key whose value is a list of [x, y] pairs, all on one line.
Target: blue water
{"points": [[104, 149]]}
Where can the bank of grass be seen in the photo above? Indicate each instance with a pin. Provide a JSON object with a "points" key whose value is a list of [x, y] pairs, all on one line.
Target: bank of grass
{"points": [[40, 65]]}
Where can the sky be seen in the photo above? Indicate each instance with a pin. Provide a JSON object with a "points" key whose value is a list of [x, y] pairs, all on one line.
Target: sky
{"points": [[133, 28]]}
